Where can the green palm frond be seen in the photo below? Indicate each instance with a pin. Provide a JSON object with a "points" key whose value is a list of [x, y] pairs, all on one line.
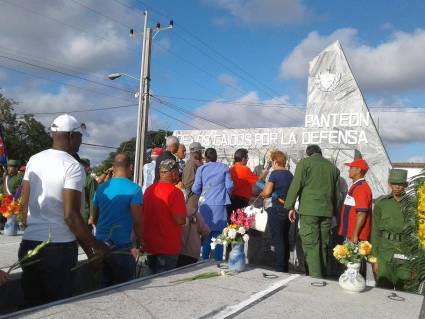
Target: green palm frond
{"points": [[411, 244]]}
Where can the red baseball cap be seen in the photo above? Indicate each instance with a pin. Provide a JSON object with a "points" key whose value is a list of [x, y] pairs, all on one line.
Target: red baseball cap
{"points": [[360, 163], [157, 151]]}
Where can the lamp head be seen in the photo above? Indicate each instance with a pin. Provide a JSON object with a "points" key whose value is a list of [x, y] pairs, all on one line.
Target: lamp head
{"points": [[114, 76]]}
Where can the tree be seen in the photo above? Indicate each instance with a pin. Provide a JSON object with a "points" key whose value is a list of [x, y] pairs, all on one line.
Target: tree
{"points": [[23, 137], [154, 139]]}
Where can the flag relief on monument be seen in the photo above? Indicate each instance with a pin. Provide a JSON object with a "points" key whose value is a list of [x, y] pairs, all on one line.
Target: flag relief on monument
{"points": [[337, 119]]}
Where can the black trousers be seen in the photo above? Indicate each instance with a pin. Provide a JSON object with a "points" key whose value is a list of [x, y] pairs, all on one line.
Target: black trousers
{"points": [[50, 278], [279, 227]]}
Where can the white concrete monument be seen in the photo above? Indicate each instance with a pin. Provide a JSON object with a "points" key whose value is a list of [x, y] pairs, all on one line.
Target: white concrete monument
{"points": [[337, 119]]}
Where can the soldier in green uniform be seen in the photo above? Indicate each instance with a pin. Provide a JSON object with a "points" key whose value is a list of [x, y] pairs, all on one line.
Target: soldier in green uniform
{"points": [[391, 268], [13, 179], [89, 191], [11, 182], [316, 184]]}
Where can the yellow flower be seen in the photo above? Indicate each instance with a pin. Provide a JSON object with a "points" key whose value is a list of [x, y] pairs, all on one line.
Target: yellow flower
{"points": [[341, 251], [372, 259], [365, 248]]}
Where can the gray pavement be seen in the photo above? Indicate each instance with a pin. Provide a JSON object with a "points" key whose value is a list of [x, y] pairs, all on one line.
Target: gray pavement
{"points": [[245, 295], [9, 246]]}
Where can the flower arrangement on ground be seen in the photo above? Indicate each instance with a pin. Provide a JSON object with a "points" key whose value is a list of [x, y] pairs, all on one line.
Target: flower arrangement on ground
{"points": [[236, 232], [350, 252], [9, 206]]}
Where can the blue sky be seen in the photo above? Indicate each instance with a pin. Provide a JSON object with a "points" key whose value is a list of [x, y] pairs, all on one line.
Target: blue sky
{"points": [[247, 51]]}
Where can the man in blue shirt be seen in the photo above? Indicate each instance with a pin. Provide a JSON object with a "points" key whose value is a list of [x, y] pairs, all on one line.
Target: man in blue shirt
{"points": [[117, 212]]}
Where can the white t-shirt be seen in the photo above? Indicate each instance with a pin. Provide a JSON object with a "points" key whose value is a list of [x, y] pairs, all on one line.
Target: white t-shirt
{"points": [[48, 173]]}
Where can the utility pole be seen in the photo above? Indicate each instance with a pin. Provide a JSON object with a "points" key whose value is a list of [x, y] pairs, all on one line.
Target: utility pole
{"points": [[144, 95], [143, 111]]}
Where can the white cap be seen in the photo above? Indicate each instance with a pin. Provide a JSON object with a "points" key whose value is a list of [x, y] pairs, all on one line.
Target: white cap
{"points": [[67, 123]]}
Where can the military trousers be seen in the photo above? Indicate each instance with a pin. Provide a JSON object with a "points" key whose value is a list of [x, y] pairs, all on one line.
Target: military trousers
{"points": [[315, 234], [393, 274]]}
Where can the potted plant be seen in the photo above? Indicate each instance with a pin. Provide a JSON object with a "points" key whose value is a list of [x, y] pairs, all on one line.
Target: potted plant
{"points": [[10, 208], [352, 255], [236, 235]]}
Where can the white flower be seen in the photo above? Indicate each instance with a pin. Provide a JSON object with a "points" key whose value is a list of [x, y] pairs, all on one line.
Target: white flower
{"points": [[232, 233], [219, 241], [245, 237], [213, 243], [241, 230], [224, 243]]}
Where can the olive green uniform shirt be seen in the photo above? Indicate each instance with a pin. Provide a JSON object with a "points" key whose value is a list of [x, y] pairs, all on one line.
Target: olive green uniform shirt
{"points": [[387, 226], [14, 182], [316, 183], [89, 191]]}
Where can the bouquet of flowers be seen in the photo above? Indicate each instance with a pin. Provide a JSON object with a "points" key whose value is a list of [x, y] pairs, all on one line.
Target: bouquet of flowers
{"points": [[9, 206], [350, 252], [420, 193], [236, 232]]}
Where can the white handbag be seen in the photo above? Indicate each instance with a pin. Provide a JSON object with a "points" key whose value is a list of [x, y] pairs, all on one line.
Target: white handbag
{"points": [[261, 217]]}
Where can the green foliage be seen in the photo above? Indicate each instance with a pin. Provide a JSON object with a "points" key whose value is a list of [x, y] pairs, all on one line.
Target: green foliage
{"points": [[154, 139], [411, 244], [23, 137]]}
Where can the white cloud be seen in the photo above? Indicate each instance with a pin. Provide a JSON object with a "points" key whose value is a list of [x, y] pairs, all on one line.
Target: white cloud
{"points": [[249, 111], [395, 65], [400, 127], [262, 12], [82, 39], [94, 47]]}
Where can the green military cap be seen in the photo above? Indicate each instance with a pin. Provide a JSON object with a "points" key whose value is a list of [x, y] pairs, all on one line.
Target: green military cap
{"points": [[398, 176], [13, 162]]}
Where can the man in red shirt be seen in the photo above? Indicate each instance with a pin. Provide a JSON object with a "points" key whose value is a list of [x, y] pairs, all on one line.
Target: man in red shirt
{"points": [[163, 215], [243, 181], [356, 212]]}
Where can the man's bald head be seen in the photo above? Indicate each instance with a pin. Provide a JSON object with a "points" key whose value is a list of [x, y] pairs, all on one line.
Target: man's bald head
{"points": [[122, 165], [121, 161]]}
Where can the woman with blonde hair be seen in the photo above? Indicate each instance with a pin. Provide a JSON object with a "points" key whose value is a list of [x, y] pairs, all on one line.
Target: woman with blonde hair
{"points": [[277, 188]]}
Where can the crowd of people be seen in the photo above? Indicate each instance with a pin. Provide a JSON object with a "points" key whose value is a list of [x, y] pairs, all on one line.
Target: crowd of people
{"points": [[182, 205]]}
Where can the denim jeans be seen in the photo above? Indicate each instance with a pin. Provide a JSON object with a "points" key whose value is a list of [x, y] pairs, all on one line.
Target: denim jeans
{"points": [[206, 247], [118, 268], [161, 263], [279, 227], [50, 278]]}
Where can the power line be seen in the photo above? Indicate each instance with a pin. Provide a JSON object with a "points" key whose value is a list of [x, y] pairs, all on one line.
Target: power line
{"points": [[279, 105], [176, 107], [102, 15], [51, 18], [251, 79], [98, 145], [174, 118], [79, 111], [64, 73], [62, 83]]}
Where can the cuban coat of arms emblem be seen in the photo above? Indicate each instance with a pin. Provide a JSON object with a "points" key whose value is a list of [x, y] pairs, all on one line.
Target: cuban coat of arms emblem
{"points": [[327, 81]]}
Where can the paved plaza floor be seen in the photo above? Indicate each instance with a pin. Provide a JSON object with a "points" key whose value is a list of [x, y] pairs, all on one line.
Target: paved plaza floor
{"points": [[255, 293]]}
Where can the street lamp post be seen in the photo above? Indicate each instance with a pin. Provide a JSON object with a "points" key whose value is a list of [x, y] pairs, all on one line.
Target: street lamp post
{"points": [[144, 85]]}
